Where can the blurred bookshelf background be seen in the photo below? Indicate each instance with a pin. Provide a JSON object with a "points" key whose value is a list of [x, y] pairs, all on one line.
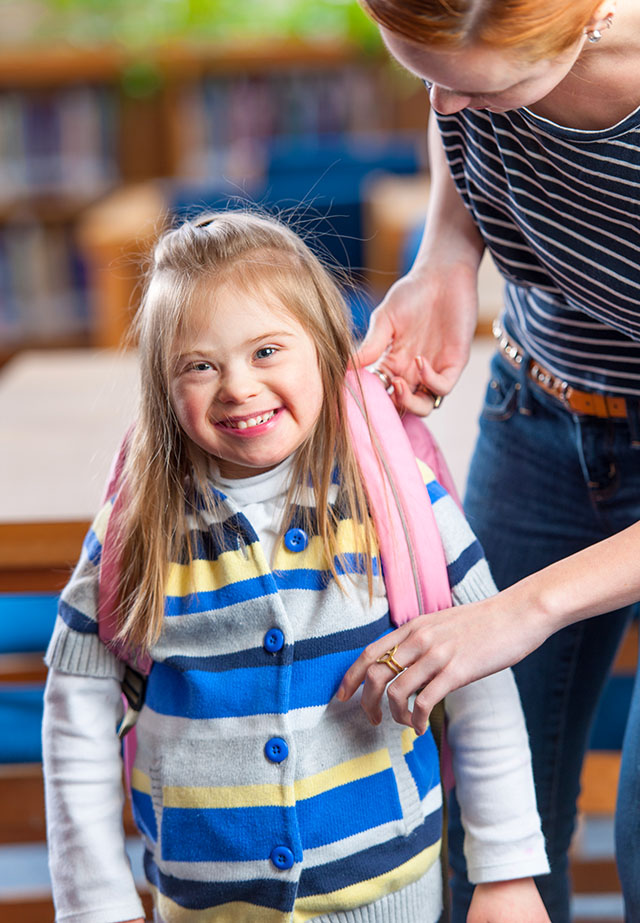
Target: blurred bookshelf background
{"points": [[282, 103]]}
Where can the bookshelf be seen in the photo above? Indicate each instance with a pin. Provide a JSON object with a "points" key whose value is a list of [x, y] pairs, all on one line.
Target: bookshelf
{"points": [[77, 124]]}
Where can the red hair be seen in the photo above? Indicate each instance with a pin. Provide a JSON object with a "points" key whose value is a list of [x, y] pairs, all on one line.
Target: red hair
{"points": [[541, 28]]}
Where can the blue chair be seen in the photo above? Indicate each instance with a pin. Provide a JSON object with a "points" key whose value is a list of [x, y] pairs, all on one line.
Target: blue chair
{"points": [[26, 622]]}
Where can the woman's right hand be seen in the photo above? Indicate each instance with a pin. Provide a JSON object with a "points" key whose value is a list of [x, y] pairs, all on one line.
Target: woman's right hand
{"points": [[421, 333]]}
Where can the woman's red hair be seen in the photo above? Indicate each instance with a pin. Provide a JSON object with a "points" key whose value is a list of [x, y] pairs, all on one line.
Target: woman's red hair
{"points": [[540, 28]]}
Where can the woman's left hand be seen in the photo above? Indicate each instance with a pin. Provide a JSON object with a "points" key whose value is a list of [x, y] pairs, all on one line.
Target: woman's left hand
{"points": [[441, 651]]}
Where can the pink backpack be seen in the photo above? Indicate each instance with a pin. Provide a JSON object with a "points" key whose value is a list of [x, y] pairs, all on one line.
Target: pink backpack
{"points": [[411, 552]]}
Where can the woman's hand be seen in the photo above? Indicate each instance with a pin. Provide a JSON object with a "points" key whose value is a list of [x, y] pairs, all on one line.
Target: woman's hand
{"points": [[442, 651], [507, 901], [421, 333]]}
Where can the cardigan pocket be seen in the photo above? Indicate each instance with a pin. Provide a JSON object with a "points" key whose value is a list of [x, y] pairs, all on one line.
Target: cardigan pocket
{"points": [[416, 767]]}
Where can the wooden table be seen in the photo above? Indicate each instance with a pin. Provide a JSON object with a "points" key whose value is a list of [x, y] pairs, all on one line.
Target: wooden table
{"points": [[62, 415]]}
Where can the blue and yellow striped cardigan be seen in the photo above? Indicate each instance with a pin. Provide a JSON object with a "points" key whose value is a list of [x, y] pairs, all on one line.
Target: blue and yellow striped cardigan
{"points": [[259, 796]]}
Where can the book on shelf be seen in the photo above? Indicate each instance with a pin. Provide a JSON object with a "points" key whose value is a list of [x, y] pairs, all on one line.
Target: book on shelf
{"points": [[228, 122], [60, 142], [42, 285]]}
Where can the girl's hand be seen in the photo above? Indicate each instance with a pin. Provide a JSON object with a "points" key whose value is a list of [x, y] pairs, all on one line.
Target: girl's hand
{"points": [[506, 902], [421, 333], [442, 651]]}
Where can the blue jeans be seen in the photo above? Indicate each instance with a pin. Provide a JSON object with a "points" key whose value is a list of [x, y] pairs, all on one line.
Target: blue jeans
{"points": [[543, 484]]}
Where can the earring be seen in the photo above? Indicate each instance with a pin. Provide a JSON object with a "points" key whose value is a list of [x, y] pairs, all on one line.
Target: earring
{"points": [[594, 35]]}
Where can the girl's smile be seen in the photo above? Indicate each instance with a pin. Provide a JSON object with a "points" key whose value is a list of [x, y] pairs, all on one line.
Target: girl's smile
{"points": [[256, 424], [246, 386]]}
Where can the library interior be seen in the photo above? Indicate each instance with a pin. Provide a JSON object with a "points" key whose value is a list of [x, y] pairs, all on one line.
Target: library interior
{"points": [[116, 120]]}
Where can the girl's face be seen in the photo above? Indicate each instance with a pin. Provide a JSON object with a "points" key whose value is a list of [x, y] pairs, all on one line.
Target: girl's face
{"points": [[246, 386], [481, 77]]}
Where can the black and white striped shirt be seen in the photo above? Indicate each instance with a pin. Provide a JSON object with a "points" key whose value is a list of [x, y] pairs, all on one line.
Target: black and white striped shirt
{"points": [[559, 209]]}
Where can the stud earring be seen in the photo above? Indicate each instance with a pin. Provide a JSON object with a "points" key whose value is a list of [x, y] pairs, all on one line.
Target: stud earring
{"points": [[594, 35]]}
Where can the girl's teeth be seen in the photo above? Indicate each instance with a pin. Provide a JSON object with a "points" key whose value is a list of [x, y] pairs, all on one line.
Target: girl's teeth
{"points": [[252, 421]]}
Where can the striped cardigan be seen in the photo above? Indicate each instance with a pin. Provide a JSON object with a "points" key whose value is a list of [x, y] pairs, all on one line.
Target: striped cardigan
{"points": [[259, 796]]}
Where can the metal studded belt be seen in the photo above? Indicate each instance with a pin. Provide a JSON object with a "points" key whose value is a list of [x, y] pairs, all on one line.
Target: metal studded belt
{"points": [[591, 403]]}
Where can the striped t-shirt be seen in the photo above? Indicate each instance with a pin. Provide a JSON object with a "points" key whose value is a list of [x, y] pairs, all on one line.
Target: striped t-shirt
{"points": [[559, 208]]}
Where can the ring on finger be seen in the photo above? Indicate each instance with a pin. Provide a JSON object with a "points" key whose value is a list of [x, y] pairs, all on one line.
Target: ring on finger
{"points": [[384, 378], [437, 398], [388, 658]]}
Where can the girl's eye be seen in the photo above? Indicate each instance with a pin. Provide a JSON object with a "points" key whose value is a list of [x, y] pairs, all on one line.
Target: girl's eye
{"points": [[200, 366], [265, 351]]}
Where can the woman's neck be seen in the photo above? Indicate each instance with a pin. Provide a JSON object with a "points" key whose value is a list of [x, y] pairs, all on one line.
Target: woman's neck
{"points": [[602, 88]]}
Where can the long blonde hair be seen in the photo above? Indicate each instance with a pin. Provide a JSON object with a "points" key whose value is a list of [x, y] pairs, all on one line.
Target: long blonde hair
{"points": [[538, 28], [165, 471]]}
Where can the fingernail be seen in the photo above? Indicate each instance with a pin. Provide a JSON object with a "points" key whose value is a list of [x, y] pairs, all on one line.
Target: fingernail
{"points": [[420, 362], [341, 694]]}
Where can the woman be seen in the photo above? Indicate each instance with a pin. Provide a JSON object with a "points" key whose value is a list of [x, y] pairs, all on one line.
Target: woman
{"points": [[535, 153]]}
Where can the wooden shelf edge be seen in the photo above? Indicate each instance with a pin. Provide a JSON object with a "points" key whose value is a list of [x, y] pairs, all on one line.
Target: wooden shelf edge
{"points": [[62, 64], [40, 544]]}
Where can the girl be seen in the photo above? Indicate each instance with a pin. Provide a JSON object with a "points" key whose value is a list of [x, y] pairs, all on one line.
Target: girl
{"points": [[535, 154], [249, 575]]}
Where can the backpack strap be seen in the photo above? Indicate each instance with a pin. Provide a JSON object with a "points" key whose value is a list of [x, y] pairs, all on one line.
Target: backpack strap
{"points": [[137, 668], [109, 580], [415, 570], [427, 450]]}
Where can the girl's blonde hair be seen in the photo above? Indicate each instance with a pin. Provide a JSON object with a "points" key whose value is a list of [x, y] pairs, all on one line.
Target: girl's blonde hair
{"points": [[538, 28], [165, 473]]}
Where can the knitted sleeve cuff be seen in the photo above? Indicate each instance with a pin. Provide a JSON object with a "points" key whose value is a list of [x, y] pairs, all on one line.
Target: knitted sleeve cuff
{"points": [[82, 654]]}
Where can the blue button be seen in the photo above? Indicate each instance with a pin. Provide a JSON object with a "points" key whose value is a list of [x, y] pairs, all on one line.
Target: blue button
{"points": [[276, 750], [296, 539], [282, 857], [273, 640]]}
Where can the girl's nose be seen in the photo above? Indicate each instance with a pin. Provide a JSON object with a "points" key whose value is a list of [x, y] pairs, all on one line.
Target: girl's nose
{"points": [[237, 385], [446, 102]]}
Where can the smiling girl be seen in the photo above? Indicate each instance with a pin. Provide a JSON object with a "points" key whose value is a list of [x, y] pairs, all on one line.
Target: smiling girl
{"points": [[250, 576]]}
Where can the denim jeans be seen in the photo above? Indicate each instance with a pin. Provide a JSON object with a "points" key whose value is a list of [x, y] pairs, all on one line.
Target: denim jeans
{"points": [[543, 484]]}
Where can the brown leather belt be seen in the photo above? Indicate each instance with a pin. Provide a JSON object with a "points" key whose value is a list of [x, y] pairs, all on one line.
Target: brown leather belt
{"points": [[591, 403]]}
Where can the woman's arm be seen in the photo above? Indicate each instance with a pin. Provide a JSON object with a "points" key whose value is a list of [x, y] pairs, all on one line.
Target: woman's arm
{"points": [[431, 312], [445, 650]]}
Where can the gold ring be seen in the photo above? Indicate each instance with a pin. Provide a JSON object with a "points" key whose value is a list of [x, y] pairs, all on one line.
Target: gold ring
{"points": [[389, 659], [384, 378], [437, 398]]}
